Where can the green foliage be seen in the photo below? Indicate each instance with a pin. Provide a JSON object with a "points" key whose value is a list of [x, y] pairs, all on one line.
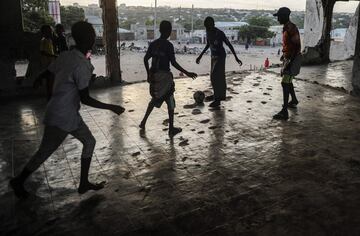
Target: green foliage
{"points": [[261, 21], [35, 5], [71, 15], [187, 26], [149, 22], [258, 28], [126, 24], [298, 21], [35, 14]]}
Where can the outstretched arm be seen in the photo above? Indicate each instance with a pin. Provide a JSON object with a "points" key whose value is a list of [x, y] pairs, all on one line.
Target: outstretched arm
{"points": [[202, 53], [205, 49], [227, 42], [87, 100], [178, 67]]}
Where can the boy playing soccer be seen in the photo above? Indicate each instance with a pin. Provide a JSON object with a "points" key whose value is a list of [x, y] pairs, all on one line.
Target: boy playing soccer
{"points": [[215, 40], [162, 86], [72, 72]]}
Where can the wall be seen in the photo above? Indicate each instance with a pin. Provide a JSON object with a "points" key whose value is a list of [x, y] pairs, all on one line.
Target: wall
{"points": [[350, 36], [314, 23]]}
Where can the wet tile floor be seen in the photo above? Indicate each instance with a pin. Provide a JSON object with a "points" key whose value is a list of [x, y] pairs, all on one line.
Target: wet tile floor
{"points": [[232, 171]]}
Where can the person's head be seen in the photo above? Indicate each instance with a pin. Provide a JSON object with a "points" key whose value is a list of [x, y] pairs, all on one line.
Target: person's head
{"points": [[59, 29], [209, 23], [84, 35], [283, 15], [165, 29], [46, 31]]}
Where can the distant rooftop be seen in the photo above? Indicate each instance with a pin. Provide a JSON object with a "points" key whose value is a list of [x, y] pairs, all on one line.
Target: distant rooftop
{"points": [[225, 24]]}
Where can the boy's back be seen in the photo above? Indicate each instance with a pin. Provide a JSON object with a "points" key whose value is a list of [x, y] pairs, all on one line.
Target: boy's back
{"points": [[72, 73], [162, 53]]}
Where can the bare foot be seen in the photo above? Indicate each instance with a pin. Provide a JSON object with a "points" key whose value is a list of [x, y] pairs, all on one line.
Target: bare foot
{"points": [[83, 188], [174, 131]]}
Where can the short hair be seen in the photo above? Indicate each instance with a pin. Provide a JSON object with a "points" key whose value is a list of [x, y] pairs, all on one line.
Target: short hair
{"points": [[209, 21], [59, 27], [165, 26], [82, 31]]}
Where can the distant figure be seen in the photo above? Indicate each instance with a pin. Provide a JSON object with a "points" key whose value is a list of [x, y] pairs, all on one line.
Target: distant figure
{"points": [[32, 52], [246, 46], [47, 53], [132, 45], [267, 63], [291, 59], [60, 39], [215, 40], [72, 72], [279, 51], [123, 46], [161, 81]]}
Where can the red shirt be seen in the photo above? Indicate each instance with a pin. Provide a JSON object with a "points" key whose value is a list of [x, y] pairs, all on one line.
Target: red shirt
{"points": [[291, 40]]}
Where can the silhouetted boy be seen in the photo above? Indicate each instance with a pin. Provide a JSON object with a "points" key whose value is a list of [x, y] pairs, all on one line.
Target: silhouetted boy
{"points": [[291, 59], [215, 40], [47, 52], [161, 81], [72, 72], [60, 40]]}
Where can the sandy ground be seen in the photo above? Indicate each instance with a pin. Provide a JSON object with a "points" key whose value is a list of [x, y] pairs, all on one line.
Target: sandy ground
{"points": [[133, 68]]}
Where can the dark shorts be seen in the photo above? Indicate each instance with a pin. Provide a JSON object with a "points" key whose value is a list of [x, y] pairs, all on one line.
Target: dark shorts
{"points": [[170, 101]]}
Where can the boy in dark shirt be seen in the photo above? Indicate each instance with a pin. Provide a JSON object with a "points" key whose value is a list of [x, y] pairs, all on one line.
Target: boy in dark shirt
{"points": [[215, 40], [162, 86], [60, 40], [72, 72]]}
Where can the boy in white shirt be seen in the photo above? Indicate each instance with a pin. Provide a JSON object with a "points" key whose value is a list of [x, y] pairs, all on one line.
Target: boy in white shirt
{"points": [[72, 72]]}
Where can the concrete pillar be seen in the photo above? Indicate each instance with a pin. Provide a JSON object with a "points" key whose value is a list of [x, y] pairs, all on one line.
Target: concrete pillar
{"points": [[350, 36], [356, 68], [317, 28]]}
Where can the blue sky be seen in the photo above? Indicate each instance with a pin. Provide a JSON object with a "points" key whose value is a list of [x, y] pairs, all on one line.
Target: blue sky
{"points": [[238, 4]]}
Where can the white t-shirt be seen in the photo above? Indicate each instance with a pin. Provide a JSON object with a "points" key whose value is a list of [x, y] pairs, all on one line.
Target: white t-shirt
{"points": [[72, 73]]}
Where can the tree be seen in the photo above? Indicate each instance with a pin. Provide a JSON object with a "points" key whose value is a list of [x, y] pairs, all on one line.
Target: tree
{"points": [[258, 28], [149, 22], [35, 15], [298, 20], [259, 21], [111, 24], [71, 15]]}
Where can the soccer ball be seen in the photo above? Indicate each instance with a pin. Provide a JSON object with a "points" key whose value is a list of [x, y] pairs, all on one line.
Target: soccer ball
{"points": [[199, 97]]}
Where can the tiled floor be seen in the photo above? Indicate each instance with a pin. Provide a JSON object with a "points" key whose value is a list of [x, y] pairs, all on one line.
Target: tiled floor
{"points": [[232, 171]]}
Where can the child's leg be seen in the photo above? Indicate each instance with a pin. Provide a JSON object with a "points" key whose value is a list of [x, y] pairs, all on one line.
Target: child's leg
{"points": [[49, 87], [294, 100], [51, 140], [84, 135], [283, 114], [147, 114], [171, 110], [286, 93]]}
